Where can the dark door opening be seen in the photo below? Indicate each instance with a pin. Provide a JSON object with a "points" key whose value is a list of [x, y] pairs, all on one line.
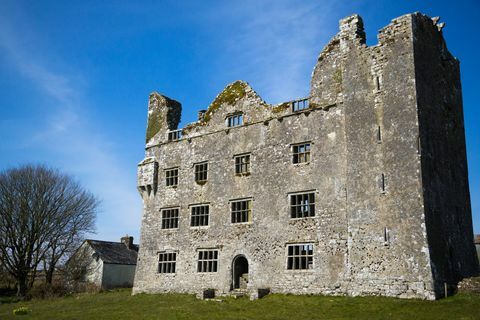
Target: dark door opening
{"points": [[240, 272]]}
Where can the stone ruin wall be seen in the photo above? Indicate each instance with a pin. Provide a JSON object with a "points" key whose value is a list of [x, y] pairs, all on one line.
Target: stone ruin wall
{"points": [[370, 230]]}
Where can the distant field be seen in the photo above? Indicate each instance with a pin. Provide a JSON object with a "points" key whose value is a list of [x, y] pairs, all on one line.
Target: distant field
{"points": [[121, 305]]}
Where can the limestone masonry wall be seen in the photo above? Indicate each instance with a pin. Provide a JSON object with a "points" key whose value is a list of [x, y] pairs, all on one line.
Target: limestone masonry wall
{"points": [[386, 172]]}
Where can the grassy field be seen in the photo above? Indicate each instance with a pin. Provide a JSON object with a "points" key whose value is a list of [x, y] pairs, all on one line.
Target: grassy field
{"points": [[121, 305]]}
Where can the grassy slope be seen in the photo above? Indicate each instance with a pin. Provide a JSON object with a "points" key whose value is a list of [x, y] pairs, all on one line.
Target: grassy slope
{"points": [[121, 305]]}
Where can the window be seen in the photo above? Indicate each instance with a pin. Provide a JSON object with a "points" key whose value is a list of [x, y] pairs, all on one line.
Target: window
{"points": [[300, 105], [171, 177], [242, 164], [379, 134], [241, 211], [301, 153], [235, 120], [302, 205], [167, 262], [201, 172], [174, 135], [170, 218], [300, 256], [207, 261], [199, 215], [381, 183]]}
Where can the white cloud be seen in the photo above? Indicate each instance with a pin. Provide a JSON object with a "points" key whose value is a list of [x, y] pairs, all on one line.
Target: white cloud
{"points": [[69, 136]]}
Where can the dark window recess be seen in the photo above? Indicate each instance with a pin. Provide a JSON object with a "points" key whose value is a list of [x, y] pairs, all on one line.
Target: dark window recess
{"points": [[241, 211], [201, 172], [199, 216], [381, 183], [377, 82], [235, 120], [301, 153], [207, 261], [174, 135], [300, 105], [242, 164], [167, 262], [299, 256], [170, 218], [379, 134], [302, 205], [171, 177]]}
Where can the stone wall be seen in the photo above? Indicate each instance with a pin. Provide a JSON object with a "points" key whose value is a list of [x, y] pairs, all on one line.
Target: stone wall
{"points": [[372, 231]]}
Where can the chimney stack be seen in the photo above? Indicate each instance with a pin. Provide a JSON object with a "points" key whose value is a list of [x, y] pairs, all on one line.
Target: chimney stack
{"points": [[127, 241]]}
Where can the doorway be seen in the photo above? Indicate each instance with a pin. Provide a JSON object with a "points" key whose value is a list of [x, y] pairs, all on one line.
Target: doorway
{"points": [[240, 272]]}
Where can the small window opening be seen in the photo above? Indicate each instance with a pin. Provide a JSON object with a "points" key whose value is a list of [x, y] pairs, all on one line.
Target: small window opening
{"points": [[382, 183], [170, 218], [171, 177], [377, 82], [379, 134], [201, 172], [199, 215], [241, 211], [301, 153], [299, 256], [302, 205], [235, 120], [242, 164], [386, 236], [167, 262], [174, 135], [299, 105], [207, 261]]}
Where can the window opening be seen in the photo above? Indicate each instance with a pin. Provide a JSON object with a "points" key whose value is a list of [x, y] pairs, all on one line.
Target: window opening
{"points": [[299, 256]]}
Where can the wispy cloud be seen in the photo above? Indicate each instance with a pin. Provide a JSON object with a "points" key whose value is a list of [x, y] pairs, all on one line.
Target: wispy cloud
{"points": [[278, 43], [67, 134]]}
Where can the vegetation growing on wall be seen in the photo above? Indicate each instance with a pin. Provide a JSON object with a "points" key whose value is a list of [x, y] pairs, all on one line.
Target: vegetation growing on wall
{"points": [[231, 94], [154, 125], [281, 107]]}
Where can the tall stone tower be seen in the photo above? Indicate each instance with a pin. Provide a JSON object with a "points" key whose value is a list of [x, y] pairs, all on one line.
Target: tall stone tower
{"points": [[359, 189]]}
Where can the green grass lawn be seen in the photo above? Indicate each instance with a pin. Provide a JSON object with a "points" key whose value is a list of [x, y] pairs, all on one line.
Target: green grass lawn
{"points": [[121, 305]]}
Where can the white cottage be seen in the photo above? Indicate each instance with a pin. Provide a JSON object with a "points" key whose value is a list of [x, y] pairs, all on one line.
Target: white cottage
{"points": [[104, 263]]}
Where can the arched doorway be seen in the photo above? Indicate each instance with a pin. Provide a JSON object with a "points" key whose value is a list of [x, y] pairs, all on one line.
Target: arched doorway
{"points": [[239, 272]]}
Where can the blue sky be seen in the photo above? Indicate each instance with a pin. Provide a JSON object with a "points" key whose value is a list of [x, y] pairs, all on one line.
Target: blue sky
{"points": [[75, 76]]}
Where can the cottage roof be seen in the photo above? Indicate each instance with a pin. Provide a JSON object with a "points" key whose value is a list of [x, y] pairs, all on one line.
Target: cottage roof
{"points": [[115, 252]]}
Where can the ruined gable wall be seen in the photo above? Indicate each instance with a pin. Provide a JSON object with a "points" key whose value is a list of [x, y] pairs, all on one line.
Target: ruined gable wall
{"points": [[268, 138]]}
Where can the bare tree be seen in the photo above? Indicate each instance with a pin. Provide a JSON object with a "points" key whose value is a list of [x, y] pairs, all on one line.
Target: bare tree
{"points": [[43, 214]]}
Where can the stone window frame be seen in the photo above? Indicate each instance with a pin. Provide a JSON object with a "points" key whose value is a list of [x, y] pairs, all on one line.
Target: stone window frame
{"points": [[300, 156], [294, 196], [242, 168], [234, 120], [208, 260], [170, 222], [171, 180], [300, 105], [241, 212], [192, 216], [167, 262], [201, 172], [301, 260], [174, 135]]}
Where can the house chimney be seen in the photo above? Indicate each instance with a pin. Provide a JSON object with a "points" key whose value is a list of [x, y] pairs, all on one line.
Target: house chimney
{"points": [[201, 115], [128, 241]]}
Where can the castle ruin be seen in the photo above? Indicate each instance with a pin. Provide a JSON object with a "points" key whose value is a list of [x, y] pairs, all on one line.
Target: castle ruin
{"points": [[359, 189]]}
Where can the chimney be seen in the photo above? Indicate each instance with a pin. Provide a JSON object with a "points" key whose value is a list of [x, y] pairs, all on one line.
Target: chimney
{"points": [[127, 241], [201, 115]]}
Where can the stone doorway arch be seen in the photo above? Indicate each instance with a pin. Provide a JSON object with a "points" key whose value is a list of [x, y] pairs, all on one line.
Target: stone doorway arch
{"points": [[239, 272]]}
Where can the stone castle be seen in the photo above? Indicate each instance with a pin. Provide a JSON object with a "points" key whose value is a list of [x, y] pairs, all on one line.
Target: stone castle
{"points": [[359, 189]]}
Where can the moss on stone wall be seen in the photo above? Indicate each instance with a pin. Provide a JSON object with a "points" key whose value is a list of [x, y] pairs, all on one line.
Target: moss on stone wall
{"points": [[337, 76], [231, 94], [154, 125], [281, 107]]}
